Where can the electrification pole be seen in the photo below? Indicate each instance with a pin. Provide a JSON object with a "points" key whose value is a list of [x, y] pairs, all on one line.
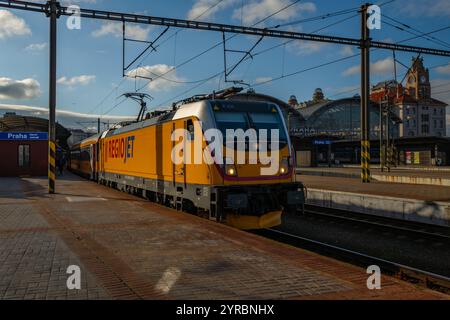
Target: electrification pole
{"points": [[365, 84], [53, 14]]}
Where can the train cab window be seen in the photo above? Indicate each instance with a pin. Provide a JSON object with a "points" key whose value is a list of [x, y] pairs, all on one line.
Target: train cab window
{"points": [[231, 120], [191, 130], [24, 155], [267, 121]]}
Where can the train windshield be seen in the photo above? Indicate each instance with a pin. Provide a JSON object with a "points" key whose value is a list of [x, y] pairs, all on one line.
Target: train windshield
{"points": [[258, 116]]}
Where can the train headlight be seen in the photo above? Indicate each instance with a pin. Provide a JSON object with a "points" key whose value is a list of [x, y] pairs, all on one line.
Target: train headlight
{"points": [[230, 169], [284, 166]]}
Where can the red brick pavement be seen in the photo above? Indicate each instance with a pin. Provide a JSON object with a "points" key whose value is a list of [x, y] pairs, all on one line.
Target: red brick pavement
{"points": [[128, 248]]}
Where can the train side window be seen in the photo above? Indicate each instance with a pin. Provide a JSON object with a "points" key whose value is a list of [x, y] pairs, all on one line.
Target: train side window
{"points": [[190, 129], [24, 155]]}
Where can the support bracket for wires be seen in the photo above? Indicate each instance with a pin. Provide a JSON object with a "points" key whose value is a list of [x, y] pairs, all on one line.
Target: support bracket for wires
{"points": [[150, 46], [246, 53]]}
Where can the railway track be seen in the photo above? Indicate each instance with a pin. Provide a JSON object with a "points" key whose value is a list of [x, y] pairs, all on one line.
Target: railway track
{"points": [[401, 271], [424, 230]]}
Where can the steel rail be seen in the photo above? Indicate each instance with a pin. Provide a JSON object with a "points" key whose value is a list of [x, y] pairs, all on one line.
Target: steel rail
{"points": [[372, 220], [428, 279]]}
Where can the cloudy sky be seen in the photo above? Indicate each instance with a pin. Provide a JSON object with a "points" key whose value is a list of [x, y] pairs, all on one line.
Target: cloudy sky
{"points": [[90, 82]]}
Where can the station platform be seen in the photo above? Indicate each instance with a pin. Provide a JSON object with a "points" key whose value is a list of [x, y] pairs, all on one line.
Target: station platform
{"points": [[415, 202], [129, 248], [436, 176]]}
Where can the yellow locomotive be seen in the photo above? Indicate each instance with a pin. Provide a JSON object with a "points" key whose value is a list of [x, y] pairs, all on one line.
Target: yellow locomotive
{"points": [[139, 158]]}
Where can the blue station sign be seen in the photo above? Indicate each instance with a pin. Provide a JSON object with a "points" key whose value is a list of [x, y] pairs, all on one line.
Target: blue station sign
{"points": [[322, 142], [24, 136]]}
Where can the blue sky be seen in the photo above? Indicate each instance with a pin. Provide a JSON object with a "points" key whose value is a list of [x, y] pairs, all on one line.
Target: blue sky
{"points": [[90, 63]]}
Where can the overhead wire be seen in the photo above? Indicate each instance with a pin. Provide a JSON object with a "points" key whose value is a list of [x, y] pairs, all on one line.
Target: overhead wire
{"points": [[339, 60], [211, 48], [124, 78], [419, 34], [217, 44]]}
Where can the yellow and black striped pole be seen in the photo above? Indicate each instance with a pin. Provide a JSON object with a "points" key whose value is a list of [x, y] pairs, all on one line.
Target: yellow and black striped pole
{"points": [[53, 14], [51, 166], [365, 160], [365, 98]]}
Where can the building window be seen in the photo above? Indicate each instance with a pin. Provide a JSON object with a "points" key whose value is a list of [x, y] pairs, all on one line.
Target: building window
{"points": [[24, 155], [434, 111], [425, 129], [434, 123], [425, 117], [442, 111], [441, 124]]}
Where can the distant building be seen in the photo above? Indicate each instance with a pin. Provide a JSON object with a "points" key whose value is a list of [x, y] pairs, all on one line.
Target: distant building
{"points": [[293, 101], [318, 97], [77, 135], [421, 115], [24, 145]]}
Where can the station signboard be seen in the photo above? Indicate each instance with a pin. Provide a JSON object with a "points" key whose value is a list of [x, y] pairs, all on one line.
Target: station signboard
{"points": [[24, 136], [321, 142]]}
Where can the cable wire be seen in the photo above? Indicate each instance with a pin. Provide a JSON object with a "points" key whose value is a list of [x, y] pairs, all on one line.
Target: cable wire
{"points": [[218, 44]]}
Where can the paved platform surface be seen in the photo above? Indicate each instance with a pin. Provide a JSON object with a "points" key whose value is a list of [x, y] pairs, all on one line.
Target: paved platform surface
{"points": [[356, 171], [397, 190], [435, 176], [129, 248]]}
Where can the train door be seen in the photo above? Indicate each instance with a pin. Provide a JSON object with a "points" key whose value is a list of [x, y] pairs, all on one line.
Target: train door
{"points": [[96, 160], [92, 160], [178, 167], [102, 153]]}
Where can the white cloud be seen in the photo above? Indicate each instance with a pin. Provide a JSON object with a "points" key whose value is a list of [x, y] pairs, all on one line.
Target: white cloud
{"points": [[380, 67], [69, 119], [257, 10], [11, 25], [36, 46], [444, 69], [301, 47], [164, 83], [19, 89], [59, 111], [201, 8], [263, 79], [115, 29], [346, 51], [82, 80]]}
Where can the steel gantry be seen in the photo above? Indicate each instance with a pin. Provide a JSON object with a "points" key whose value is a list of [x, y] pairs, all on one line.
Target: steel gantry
{"points": [[53, 9]]}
